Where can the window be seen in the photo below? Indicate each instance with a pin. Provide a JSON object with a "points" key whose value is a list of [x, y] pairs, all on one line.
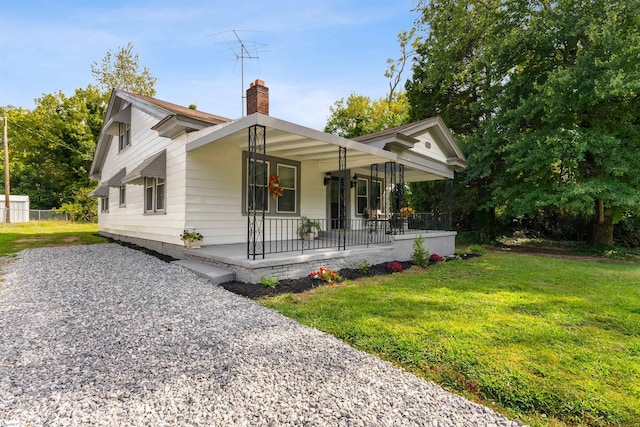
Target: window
{"points": [[362, 192], [124, 139], [154, 195], [104, 204], [258, 173], [376, 195], [123, 196], [288, 204], [364, 199]]}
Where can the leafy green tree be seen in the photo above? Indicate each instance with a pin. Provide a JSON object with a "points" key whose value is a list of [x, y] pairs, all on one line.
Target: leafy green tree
{"points": [[545, 98], [359, 115], [51, 146], [121, 70]]}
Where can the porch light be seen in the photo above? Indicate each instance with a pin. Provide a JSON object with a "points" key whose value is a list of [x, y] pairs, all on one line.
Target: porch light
{"points": [[354, 181], [327, 178]]}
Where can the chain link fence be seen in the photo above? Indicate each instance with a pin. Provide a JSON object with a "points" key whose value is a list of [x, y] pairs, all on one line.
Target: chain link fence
{"points": [[24, 215], [47, 215]]}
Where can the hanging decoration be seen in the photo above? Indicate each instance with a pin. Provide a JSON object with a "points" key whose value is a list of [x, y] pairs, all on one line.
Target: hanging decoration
{"points": [[275, 186]]}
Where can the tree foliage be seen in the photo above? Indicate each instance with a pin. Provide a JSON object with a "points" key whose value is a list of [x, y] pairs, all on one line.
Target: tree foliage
{"points": [[544, 96], [359, 115], [52, 145], [121, 70]]}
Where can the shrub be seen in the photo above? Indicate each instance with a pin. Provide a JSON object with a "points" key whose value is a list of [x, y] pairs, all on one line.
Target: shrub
{"points": [[269, 282], [420, 255], [477, 249], [436, 258], [362, 266], [394, 266]]}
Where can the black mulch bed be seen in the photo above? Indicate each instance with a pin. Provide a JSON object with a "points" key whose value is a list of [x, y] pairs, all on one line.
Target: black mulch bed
{"points": [[256, 290], [163, 257]]}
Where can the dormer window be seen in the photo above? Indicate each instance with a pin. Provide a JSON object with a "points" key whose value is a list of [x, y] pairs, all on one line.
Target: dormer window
{"points": [[124, 138]]}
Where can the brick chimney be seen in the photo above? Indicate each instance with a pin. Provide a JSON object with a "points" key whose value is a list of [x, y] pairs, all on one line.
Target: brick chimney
{"points": [[257, 98]]}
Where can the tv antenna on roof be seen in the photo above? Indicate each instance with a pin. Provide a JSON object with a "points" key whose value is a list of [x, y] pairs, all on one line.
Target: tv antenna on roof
{"points": [[246, 51]]}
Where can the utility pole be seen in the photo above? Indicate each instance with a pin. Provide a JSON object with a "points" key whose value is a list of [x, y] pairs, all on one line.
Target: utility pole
{"points": [[7, 187]]}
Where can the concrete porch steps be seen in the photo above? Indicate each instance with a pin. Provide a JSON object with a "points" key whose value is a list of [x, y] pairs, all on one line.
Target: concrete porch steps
{"points": [[215, 275]]}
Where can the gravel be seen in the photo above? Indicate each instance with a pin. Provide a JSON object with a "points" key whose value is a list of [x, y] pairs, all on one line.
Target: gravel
{"points": [[104, 335]]}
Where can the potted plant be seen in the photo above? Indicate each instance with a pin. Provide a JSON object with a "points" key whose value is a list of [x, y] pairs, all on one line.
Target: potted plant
{"points": [[191, 239], [308, 229]]}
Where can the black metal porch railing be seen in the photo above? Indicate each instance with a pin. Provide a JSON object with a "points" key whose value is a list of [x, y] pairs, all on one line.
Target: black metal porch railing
{"points": [[289, 235], [428, 221]]}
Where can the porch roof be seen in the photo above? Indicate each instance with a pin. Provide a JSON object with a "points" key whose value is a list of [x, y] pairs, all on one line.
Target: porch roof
{"points": [[286, 139]]}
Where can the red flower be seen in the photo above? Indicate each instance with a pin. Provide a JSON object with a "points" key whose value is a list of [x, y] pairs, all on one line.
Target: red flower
{"points": [[394, 266], [436, 258]]}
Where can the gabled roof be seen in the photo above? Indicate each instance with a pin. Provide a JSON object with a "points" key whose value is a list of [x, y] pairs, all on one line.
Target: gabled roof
{"points": [[173, 119], [406, 137], [183, 111], [410, 144]]}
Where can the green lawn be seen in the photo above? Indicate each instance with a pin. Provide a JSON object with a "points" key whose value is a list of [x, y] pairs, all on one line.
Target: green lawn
{"points": [[549, 341], [36, 234]]}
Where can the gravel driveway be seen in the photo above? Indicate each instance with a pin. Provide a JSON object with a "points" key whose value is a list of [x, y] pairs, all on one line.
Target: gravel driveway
{"points": [[106, 335]]}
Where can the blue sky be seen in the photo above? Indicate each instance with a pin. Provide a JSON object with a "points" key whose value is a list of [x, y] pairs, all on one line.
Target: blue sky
{"points": [[314, 53]]}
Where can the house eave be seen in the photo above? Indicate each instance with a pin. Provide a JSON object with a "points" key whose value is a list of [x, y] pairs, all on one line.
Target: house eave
{"points": [[175, 124], [456, 162], [295, 141]]}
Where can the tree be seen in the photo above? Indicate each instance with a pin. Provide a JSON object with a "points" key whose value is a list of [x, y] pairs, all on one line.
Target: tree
{"points": [[358, 115], [545, 97], [52, 146], [121, 70], [396, 68]]}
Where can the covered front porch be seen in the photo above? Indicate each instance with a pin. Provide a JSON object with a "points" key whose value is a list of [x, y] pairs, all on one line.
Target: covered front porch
{"points": [[352, 193], [300, 262]]}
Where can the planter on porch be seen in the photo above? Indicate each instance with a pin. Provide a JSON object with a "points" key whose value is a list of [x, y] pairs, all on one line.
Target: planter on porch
{"points": [[192, 244], [308, 229], [309, 236], [191, 239]]}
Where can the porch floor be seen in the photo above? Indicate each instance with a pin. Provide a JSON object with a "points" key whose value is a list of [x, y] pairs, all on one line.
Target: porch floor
{"points": [[236, 253], [232, 258]]}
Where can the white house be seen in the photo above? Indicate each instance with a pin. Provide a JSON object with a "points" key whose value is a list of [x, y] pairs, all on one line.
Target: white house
{"points": [[247, 184]]}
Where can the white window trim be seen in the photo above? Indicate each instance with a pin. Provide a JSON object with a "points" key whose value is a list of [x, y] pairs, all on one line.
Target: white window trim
{"points": [[272, 166], [104, 204], [124, 136], [359, 196], [122, 196], [294, 188], [154, 195], [368, 186], [266, 188]]}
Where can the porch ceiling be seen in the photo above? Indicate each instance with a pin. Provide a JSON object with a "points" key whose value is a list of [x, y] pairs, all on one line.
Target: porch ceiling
{"points": [[292, 141]]}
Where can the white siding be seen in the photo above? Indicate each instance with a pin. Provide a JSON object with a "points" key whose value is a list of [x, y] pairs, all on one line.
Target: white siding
{"points": [[434, 151], [131, 220], [214, 193]]}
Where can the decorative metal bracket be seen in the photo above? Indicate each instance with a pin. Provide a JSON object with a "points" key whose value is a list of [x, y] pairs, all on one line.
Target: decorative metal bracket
{"points": [[257, 180], [342, 199]]}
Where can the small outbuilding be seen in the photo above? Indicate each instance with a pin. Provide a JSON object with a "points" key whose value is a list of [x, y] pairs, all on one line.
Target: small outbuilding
{"points": [[18, 208]]}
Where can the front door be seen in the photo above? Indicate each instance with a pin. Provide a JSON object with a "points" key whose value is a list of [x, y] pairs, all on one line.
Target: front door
{"points": [[334, 204]]}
